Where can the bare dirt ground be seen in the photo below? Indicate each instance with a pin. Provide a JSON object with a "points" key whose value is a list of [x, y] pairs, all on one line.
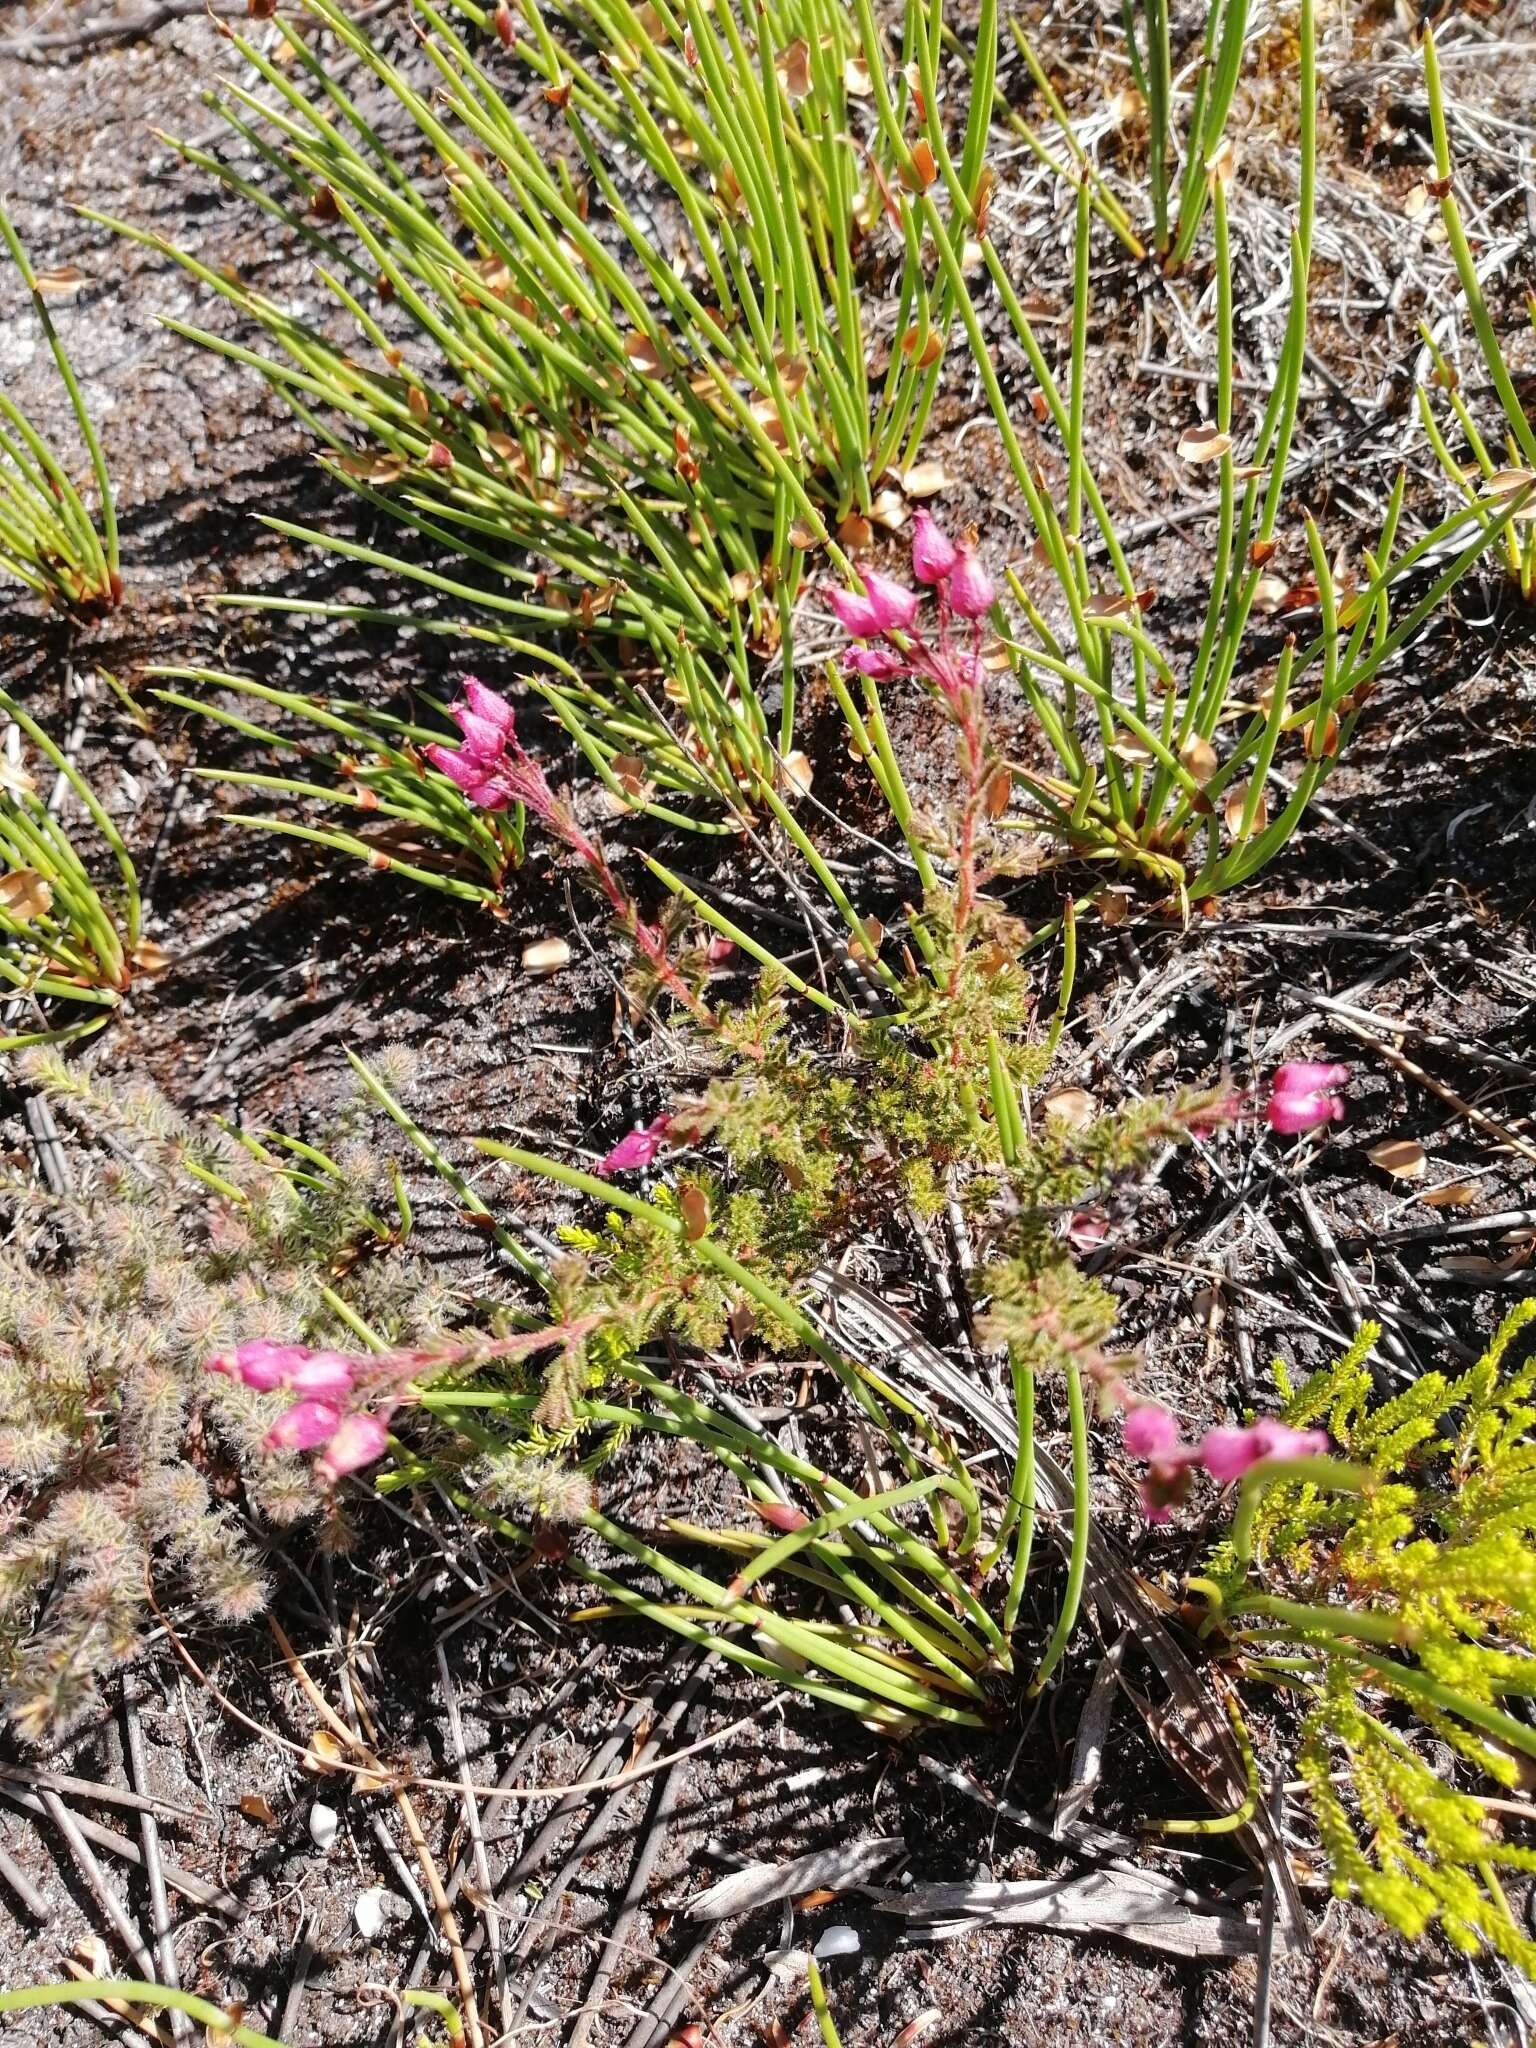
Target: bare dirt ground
{"points": [[1401, 916]]}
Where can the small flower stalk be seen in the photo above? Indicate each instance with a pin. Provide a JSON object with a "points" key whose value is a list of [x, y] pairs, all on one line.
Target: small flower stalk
{"points": [[949, 662], [495, 771]]}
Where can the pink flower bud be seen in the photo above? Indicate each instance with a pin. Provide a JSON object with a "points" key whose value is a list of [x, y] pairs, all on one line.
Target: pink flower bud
{"points": [[971, 591], [1290, 1114], [357, 1441], [934, 554], [886, 606], [304, 1425], [638, 1149], [328, 1374], [488, 705], [260, 1364], [720, 952], [1306, 1077], [878, 663], [1149, 1431]]}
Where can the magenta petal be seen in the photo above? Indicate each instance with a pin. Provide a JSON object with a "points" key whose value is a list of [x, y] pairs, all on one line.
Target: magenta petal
{"points": [[305, 1424], [326, 1373], [1227, 1453], [1291, 1114], [971, 591], [489, 705], [878, 663], [1308, 1077], [639, 1148], [855, 614], [934, 554], [1278, 1440], [358, 1440], [893, 605], [457, 766], [263, 1365], [483, 742], [1149, 1431]]}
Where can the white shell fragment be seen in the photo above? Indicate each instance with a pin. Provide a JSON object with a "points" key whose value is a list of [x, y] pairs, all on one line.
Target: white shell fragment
{"points": [[373, 1911], [546, 956], [837, 1941], [323, 1823]]}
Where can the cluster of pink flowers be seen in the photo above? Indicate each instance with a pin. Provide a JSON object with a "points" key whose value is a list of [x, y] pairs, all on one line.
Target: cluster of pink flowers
{"points": [[492, 766], [1152, 1433], [888, 608], [324, 1381], [494, 770], [1301, 1096]]}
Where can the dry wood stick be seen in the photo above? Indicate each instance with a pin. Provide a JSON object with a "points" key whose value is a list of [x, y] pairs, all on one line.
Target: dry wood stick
{"points": [[490, 1912], [101, 1889], [1459, 1103], [27, 1892], [149, 1839], [208, 1896]]}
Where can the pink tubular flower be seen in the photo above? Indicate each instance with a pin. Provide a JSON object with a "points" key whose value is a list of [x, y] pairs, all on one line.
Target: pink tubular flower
{"points": [[1279, 1440], [886, 606], [1301, 1096], [356, 1441], [878, 663], [934, 554], [639, 1148], [302, 1426], [971, 590], [260, 1364], [1228, 1453], [327, 1374], [1149, 1430]]}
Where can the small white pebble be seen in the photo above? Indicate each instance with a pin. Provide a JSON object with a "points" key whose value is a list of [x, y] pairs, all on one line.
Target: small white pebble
{"points": [[372, 1911], [546, 956], [323, 1823], [837, 1941]]}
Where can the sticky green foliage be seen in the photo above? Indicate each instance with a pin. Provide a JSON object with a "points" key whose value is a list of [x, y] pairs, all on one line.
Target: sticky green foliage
{"points": [[1406, 1607], [182, 1242]]}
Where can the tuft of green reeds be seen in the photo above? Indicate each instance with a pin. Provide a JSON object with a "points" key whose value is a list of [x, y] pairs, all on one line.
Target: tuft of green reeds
{"points": [[63, 939], [48, 539], [1508, 483], [627, 393]]}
